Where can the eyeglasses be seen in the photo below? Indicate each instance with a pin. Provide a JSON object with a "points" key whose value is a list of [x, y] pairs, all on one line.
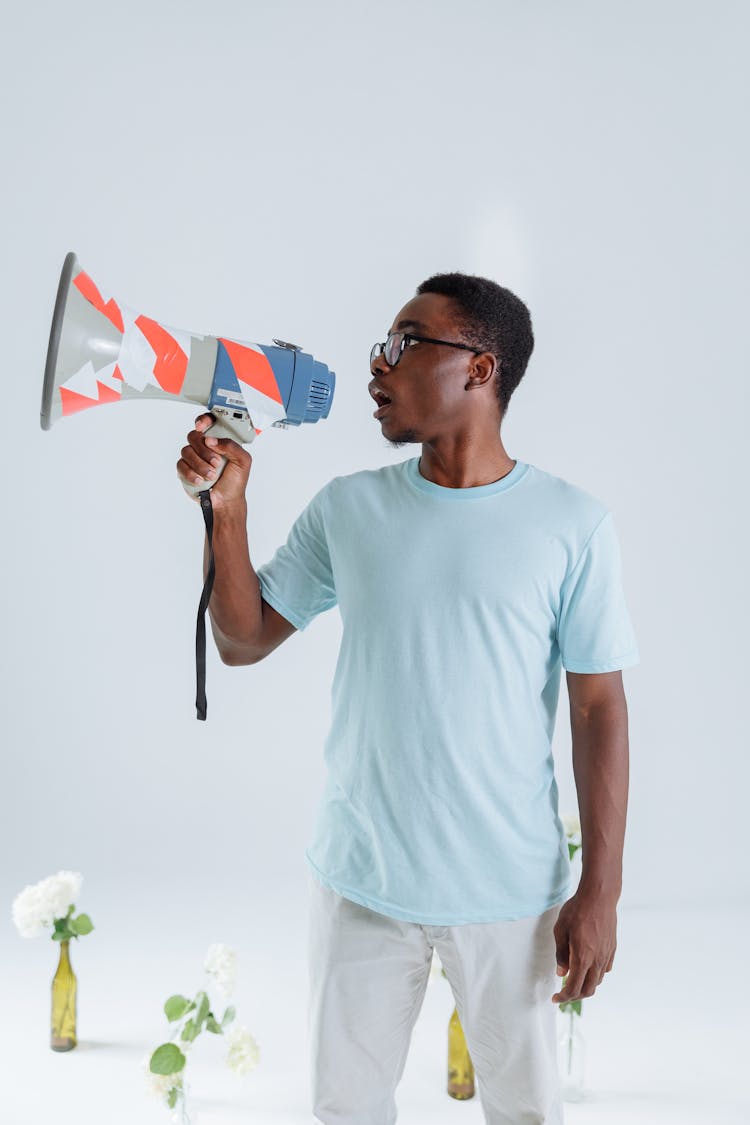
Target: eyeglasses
{"points": [[394, 346]]}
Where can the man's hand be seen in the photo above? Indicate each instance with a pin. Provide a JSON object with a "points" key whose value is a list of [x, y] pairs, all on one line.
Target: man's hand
{"points": [[201, 457], [586, 939]]}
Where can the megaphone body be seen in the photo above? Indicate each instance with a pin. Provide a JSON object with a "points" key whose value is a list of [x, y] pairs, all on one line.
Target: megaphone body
{"points": [[101, 351]]}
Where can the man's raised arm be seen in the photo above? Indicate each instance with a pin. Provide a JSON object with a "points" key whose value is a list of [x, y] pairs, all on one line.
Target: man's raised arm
{"points": [[245, 627]]}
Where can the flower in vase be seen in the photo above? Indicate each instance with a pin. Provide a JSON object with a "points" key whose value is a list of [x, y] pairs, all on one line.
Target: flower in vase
{"points": [[243, 1050], [43, 904], [221, 966], [189, 1019]]}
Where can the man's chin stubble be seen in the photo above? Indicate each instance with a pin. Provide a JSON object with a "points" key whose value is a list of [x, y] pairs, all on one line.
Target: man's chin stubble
{"points": [[407, 437]]}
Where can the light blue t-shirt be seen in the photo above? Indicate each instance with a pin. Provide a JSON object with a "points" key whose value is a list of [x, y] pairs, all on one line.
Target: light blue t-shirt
{"points": [[459, 606]]}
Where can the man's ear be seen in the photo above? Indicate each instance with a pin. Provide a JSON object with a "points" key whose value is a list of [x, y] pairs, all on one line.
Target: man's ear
{"points": [[482, 370]]}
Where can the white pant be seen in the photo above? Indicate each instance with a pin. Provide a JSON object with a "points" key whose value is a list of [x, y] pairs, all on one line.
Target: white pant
{"points": [[368, 975]]}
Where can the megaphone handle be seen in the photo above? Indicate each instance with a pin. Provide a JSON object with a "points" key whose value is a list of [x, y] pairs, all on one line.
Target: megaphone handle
{"points": [[217, 430]]}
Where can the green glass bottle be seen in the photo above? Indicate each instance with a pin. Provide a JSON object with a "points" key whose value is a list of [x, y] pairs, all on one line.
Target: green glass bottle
{"points": [[64, 988], [460, 1066]]}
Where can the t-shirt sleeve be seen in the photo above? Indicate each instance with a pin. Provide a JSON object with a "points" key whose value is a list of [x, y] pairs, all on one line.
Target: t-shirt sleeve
{"points": [[594, 631], [298, 580]]}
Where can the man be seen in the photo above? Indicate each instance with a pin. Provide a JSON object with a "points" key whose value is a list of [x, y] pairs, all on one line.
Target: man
{"points": [[465, 580]]}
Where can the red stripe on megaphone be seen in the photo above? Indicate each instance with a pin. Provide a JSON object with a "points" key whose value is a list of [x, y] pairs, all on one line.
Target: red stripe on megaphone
{"points": [[171, 362], [72, 402], [253, 367], [88, 289]]}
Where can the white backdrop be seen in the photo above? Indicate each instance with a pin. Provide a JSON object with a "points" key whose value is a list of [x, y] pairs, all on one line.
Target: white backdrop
{"points": [[295, 170]]}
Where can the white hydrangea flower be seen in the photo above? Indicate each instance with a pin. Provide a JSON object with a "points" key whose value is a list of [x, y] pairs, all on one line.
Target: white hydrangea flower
{"points": [[571, 824], [39, 905], [28, 911], [160, 1084], [62, 890], [221, 966], [244, 1052]]}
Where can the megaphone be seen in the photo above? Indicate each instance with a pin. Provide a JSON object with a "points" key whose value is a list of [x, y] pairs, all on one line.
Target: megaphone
{"points": [[101, 351]]}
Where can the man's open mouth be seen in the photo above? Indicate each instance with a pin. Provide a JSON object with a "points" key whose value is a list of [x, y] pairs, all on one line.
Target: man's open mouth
{"points": [[382, 400]]}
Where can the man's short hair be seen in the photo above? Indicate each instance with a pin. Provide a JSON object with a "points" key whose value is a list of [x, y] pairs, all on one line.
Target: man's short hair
{"points": [[491, 318]]}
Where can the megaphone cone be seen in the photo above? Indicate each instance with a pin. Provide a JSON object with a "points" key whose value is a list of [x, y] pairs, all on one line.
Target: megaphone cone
{"points": [[101, 351]]}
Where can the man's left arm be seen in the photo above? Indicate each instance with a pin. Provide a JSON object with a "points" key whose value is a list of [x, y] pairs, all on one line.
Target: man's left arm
{"points": [[586, 928]]}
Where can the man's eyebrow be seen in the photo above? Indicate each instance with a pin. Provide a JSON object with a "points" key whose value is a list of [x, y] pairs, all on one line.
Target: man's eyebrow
{"points": [[411, 324]]}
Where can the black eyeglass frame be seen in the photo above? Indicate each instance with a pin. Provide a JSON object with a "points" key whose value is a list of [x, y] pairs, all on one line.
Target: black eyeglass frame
{"points": [[380, 349]]}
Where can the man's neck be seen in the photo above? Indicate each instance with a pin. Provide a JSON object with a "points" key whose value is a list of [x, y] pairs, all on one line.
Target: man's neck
{"points": [[465, 462]]}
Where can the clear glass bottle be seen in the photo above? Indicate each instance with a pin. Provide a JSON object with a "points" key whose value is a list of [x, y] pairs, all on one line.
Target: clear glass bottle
{"points": [[571, 1049], [460, 1066], [181, 1113], [64, 989]]}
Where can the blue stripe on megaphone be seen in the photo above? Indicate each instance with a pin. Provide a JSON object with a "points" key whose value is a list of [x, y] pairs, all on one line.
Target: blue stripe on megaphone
{"points": [[306, 386]]}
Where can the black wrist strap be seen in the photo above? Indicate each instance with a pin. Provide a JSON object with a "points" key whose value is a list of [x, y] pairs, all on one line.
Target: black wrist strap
{"points": [[200, 628]]}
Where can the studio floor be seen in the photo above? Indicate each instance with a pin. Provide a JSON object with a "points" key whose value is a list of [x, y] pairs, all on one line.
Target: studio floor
{"points": [[666, 1034]]}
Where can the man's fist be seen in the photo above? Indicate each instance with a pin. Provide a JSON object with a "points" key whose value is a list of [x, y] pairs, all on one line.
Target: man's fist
{"points": [[219, 463]]}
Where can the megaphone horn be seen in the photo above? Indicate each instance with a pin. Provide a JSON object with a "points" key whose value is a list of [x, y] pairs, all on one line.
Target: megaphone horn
{"points": [[101, 351]]}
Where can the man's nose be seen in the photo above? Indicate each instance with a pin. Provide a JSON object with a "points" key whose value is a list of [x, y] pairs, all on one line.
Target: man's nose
{"points": [[379, 366]]}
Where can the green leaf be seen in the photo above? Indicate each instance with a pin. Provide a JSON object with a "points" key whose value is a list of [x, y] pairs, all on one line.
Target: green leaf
{"points": [[172, 1097], [203, 1007], [190, 1031], [176, 1007], [228, 1016], [82, 924], [167, 1059], [212, 1025], [63, 929], [570, 1005]]}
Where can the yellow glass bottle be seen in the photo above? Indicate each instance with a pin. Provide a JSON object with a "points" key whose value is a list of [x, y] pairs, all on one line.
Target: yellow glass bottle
{"points": [[460, 1066], [64, 988]]}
